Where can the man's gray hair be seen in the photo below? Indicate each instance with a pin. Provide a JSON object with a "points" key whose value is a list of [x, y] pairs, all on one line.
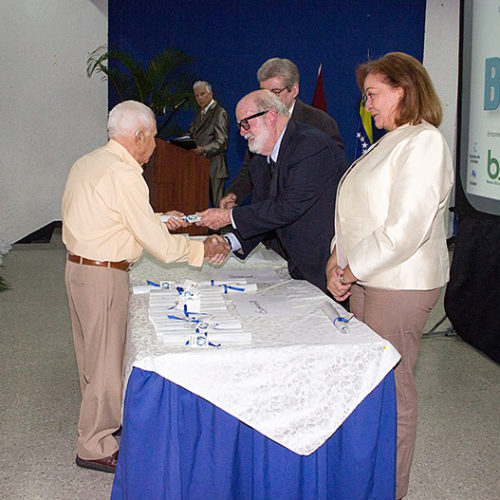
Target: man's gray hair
{"points": [[199, 83], [128, 117], [265, 99], [276, 67]]}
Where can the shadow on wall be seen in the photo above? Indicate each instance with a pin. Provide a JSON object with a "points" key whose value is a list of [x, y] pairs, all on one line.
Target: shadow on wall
{"points": [[42, 235]]}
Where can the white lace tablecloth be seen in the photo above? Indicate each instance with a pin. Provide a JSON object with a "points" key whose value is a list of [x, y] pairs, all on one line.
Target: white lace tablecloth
{"points": [[298, 380]]}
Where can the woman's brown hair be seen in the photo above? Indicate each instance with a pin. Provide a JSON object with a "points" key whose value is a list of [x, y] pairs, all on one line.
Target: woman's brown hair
{"points": [[420, 101]]}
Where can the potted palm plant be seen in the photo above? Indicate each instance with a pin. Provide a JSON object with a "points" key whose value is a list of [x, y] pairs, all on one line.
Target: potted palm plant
{"points": [[163, 84]]}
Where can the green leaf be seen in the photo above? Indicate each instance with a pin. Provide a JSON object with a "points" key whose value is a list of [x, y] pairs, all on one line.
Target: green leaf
{"points": [[164, 82]]}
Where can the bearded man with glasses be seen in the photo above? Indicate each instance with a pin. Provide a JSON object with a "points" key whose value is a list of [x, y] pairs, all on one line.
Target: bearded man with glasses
{"points": [[281, 77], [295, 171]]}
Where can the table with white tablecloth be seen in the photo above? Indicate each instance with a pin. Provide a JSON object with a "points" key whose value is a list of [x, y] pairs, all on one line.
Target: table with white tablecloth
{"points": [[303, 411]]}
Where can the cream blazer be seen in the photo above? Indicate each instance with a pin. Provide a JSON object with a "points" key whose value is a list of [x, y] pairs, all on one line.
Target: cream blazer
{"points": [[390, 211]]}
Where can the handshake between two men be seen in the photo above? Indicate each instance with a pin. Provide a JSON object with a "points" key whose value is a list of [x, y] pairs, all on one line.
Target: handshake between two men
{"points": [[216, 247], [294, 173]]}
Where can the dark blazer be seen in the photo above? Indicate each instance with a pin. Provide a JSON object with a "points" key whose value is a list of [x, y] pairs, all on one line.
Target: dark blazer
{"points": [[303, 113], [211, 131], [297, 202]]}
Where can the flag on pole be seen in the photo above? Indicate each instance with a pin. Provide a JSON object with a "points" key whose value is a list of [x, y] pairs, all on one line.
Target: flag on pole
{"points": [[319, 98], [364, 135]]}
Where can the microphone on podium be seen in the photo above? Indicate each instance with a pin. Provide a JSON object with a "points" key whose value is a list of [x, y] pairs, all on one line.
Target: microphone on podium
{"points": [[180, 103], [172, 113]]}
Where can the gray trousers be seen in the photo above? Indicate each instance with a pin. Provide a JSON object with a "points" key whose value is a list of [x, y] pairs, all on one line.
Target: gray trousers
{"points": [[216, 190], [399, 316]]}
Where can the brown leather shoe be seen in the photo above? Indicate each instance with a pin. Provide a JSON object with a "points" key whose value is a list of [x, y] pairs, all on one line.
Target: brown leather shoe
{"points": [[106, 464]]}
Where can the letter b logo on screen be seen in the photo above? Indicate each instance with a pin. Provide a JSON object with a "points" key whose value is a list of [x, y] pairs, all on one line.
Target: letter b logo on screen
{"points": [[493, 167], [492, 83]]}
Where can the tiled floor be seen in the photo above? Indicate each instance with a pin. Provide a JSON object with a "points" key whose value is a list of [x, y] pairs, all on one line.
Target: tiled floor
{"points": [[458, 447]]}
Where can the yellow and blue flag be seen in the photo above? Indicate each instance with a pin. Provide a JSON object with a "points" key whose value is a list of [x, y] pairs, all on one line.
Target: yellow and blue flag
{"points": [[364, 135]]}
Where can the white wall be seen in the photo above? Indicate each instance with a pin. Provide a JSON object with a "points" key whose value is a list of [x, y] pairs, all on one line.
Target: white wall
{"points": [[441, 47], [50, 112], [441, 52]]}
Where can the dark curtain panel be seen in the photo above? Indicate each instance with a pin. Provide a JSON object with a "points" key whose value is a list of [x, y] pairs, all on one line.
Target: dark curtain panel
{"points": [[472, 296]]}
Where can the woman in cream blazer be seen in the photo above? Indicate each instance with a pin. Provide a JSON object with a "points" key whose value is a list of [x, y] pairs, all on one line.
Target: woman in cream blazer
{"points": [[390, 253]]}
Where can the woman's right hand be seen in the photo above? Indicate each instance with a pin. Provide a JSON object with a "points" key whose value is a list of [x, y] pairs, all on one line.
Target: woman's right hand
{"points": [[334, 275]]}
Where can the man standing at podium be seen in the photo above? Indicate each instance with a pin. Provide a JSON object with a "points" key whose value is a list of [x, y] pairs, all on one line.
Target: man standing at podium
{"points": [[210, 132]]}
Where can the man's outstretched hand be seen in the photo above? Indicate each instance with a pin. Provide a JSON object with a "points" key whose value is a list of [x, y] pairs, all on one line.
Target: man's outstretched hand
{"points": [[214, 218]]}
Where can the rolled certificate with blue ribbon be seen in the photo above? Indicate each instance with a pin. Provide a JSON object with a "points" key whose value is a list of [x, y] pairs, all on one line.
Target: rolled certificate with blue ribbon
{"points": [[200, 341], [188, 218], [223, 282], [250, 287], [339, 321], [150, 285]]}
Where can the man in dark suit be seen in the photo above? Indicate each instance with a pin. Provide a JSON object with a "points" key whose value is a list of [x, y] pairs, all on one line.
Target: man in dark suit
{"points": [[295, 171], [210, 132], [280, 76]]}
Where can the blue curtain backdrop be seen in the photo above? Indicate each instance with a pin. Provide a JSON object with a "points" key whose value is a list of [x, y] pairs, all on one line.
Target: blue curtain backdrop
{"points": [[230, 40]]}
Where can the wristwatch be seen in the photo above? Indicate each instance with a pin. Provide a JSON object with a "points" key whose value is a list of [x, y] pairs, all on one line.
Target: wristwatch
{"points": [[228, 241]]}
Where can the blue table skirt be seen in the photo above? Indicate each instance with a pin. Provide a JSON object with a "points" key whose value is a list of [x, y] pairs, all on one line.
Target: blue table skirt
{"points": [[176, 445]]}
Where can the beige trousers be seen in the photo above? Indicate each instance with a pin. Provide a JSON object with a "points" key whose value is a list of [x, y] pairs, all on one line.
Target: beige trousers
{"points": [[98, 303], [399, 316]]}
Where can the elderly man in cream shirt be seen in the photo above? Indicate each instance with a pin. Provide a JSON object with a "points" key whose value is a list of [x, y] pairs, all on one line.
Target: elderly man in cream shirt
{"points": [[107, 221]]}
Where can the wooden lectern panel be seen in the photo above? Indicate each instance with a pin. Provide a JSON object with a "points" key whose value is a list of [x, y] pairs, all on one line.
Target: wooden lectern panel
{"points": [[178, 180]]}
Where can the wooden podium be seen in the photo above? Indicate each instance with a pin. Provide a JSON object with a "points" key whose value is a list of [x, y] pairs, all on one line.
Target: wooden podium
{"points": [[178, 180]]}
